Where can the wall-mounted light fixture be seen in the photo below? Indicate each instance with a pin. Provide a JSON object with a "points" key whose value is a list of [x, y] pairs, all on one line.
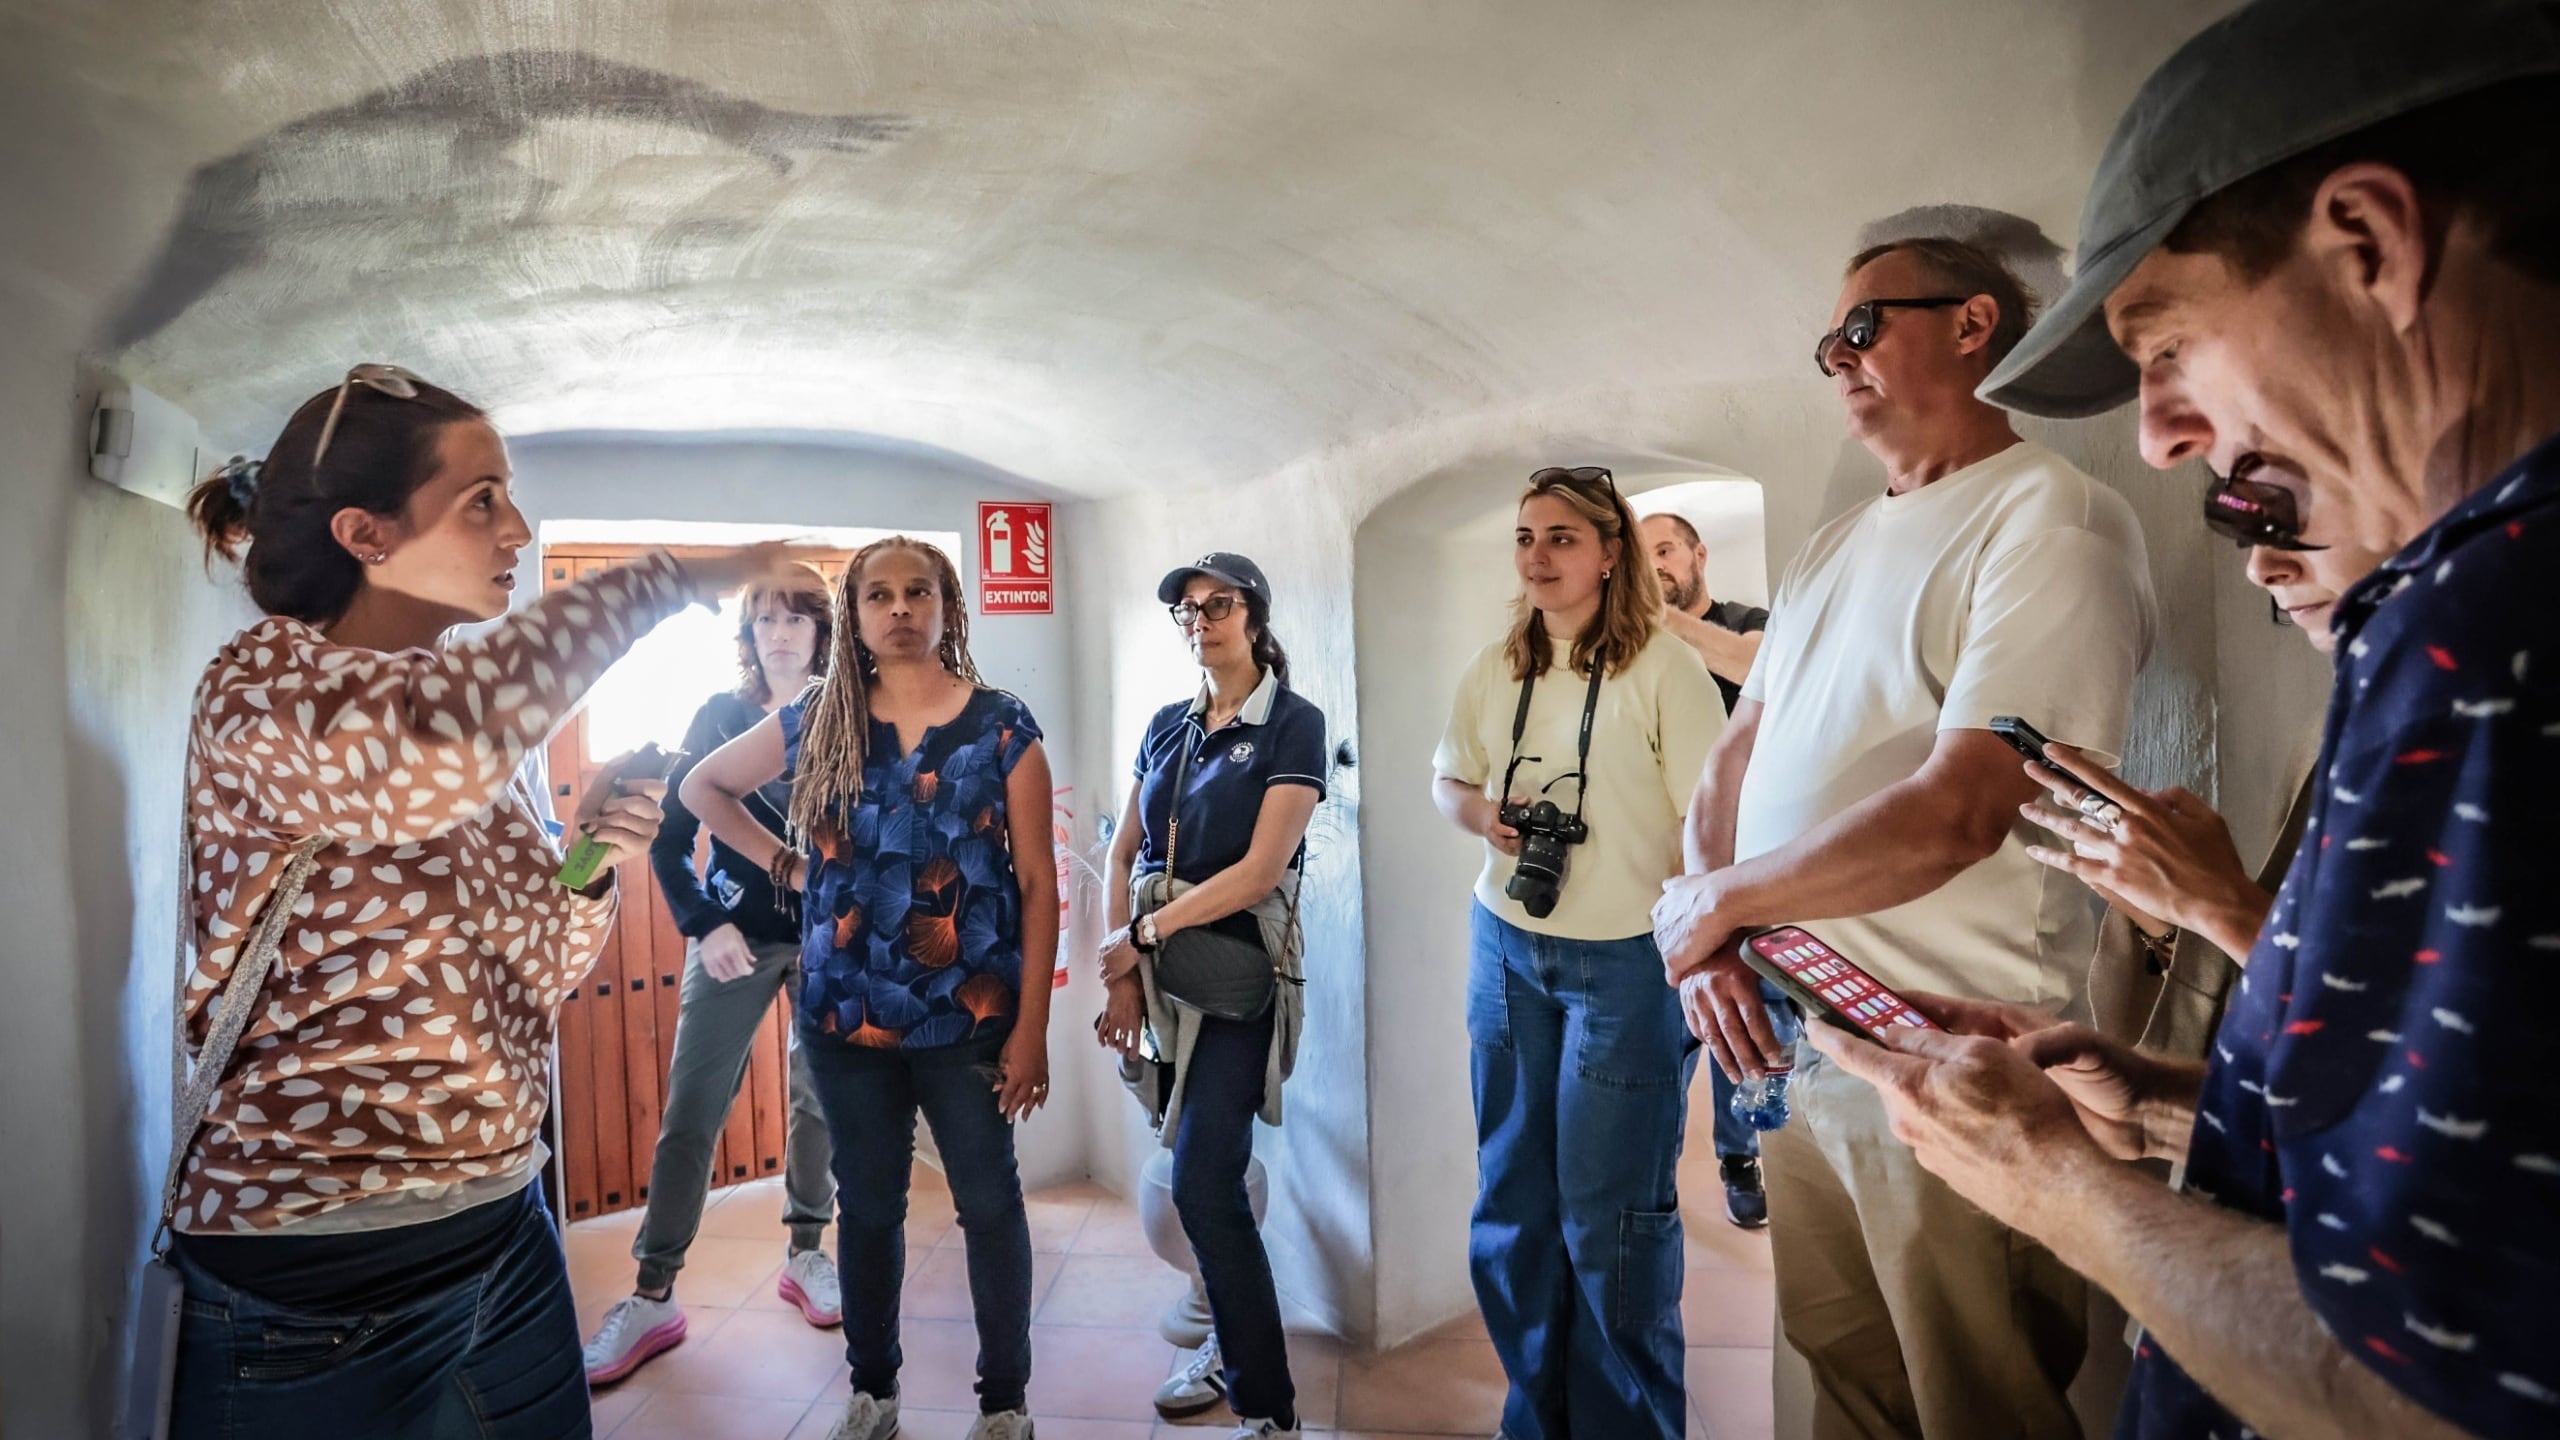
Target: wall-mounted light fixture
{"points": [[142, 443]]}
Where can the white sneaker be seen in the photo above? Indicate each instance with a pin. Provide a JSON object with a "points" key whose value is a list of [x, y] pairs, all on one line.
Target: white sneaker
{"points": [[1262, 1430], [867, 1417], [1201, 1384], [1003, 1425], [633, 1330], [809, 1281]]}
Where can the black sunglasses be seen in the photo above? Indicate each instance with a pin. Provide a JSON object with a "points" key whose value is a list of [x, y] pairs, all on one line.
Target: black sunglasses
{"points": [[1555, 475], [2253, 512], [1858, 327]]}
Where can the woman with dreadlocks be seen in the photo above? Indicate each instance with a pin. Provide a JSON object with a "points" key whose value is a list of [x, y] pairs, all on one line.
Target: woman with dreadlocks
{"points": [[929, 920]]}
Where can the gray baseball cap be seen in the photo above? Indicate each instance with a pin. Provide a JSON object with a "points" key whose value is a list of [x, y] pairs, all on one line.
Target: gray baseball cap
{"points": [[2264, 84]]}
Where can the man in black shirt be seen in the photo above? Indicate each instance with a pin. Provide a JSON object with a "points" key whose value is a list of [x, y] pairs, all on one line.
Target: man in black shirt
{"points": [[1726, 634]]}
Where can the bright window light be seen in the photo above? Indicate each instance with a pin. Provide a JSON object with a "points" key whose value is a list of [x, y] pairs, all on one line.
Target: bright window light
{"points": [[651, 694]]}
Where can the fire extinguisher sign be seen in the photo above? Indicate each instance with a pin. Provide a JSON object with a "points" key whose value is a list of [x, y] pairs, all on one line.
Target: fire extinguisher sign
{"points": [[1014, 546]]}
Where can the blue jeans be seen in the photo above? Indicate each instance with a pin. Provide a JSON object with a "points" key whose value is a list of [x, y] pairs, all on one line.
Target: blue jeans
{"points": [[1582, 1067], [493, 1358], [1212, 1149], [871, 1098]]}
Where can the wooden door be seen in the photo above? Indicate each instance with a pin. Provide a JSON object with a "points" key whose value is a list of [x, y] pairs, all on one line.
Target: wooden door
{"points": [[618, 1028]]}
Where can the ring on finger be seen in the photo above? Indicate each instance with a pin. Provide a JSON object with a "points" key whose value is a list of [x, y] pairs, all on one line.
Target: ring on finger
{"points": [[2100, 811]]}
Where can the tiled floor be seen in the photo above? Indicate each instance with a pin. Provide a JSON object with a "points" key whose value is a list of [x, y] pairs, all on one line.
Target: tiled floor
{"points": [[751, 1369]]}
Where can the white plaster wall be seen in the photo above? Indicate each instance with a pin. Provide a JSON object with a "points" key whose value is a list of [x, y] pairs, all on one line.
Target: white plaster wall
{"points": [[800, 480], [104, 613]]}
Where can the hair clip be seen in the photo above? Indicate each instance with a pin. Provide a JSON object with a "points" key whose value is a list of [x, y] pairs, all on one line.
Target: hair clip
{"points": [[241, 475]]}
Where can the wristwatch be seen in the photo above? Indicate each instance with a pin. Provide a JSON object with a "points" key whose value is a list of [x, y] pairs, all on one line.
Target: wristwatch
{"points": [[1143, 934]]}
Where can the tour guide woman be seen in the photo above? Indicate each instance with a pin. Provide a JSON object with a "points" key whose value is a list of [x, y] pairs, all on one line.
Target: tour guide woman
{"points": [[1581, 1059], [359, 1225], [920, 799], [1214, 839]]}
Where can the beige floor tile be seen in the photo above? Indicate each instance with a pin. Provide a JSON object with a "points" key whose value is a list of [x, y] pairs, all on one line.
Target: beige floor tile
{"points": [[1092, 1374], [938, 1283], [1716, 1241], [1433, 1387], [674, 1416], [1113, 1229], [1315, 1367], [1720, 1306], [1070, 1428], [752, 1211], [613, 1406], [720, 1271], [757, 1354], [1729, 1388], [1112, 1291]]}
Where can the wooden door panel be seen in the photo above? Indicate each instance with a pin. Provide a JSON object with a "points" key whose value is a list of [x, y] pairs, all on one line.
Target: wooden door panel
{"points": [[617, 1032]]}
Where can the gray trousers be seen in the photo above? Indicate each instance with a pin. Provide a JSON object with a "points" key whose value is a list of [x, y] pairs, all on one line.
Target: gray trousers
{"points": [[716, 1025]]}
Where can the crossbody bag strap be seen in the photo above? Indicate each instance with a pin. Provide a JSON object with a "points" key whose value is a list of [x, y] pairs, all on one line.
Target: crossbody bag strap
{"points": [[193, 1090]]}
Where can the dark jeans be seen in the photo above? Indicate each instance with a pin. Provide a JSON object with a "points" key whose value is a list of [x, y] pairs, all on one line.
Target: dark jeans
{"points": [[1582, 1067], [1212, 1148], [871, 1098], [492, 1358]]}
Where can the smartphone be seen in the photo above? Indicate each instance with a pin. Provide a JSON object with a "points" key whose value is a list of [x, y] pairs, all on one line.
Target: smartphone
{"points": [[2028, 741], [1822, 981], [586, 852]]}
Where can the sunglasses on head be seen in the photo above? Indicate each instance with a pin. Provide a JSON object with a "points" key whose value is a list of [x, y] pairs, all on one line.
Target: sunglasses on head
{"points": [[389, 380], [1555, 475], [2253, 512], [1858, 328]]}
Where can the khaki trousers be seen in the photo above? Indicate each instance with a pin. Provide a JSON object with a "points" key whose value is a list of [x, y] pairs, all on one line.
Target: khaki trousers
{"points": [[1918, 1314]]}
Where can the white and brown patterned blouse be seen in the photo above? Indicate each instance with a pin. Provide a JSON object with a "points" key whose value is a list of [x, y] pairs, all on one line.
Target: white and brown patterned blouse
{"points": [[398, 1070]]}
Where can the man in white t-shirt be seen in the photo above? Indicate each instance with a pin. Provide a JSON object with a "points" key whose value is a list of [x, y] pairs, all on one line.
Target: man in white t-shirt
{"points": [[1876, 808]]}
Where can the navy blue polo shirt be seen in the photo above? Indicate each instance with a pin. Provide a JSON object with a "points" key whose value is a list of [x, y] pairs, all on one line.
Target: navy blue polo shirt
{"points": [[1277, 739], [2382, 1084]]}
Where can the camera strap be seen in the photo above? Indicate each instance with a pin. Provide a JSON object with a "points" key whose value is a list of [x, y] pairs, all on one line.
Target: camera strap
{"points": [[1582, 747]]}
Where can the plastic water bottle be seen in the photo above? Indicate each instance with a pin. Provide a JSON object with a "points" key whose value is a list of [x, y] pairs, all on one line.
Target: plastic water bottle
{"points": [[1762, 1103]]}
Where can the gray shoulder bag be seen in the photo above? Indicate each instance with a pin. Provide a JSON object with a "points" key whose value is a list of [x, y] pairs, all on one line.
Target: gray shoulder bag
{"points": [[152, 1384], [1214, 973]]}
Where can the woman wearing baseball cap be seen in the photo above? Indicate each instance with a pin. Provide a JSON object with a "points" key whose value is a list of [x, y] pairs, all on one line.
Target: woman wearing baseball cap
{"points": [[1213, 842]]}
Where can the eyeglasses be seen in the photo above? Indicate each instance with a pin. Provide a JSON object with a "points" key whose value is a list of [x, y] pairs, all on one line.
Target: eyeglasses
{"points": [[2253, 512], [1555, 475], [389, 380], [1213, 610], [1858, 328]]}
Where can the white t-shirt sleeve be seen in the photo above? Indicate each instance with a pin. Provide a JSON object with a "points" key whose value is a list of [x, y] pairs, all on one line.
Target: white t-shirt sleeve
{"points": [[1461, 755], [2059, 625], [1689, 711]]}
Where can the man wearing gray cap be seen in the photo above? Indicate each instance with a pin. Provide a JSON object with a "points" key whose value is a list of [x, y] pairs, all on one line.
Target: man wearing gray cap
{"points": [[2326, 240]]}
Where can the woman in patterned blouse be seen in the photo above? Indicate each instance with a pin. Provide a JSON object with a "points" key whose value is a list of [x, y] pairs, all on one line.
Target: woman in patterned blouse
{"points": [[360, 1227], [929, 925]]}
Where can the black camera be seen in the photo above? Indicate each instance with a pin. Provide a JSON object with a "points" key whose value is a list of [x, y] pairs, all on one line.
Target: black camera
{"points": [[1545, 831]]}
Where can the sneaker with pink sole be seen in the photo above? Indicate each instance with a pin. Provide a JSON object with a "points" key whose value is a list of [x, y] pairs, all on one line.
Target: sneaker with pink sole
{"points": [[809, 1281], [634, 1330]]}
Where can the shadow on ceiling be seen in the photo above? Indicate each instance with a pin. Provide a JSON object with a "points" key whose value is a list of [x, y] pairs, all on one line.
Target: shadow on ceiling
{"points": [[482, 106]]}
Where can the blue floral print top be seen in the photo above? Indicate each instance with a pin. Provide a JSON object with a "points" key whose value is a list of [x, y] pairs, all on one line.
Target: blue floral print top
{"points": [[911, 926]]}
